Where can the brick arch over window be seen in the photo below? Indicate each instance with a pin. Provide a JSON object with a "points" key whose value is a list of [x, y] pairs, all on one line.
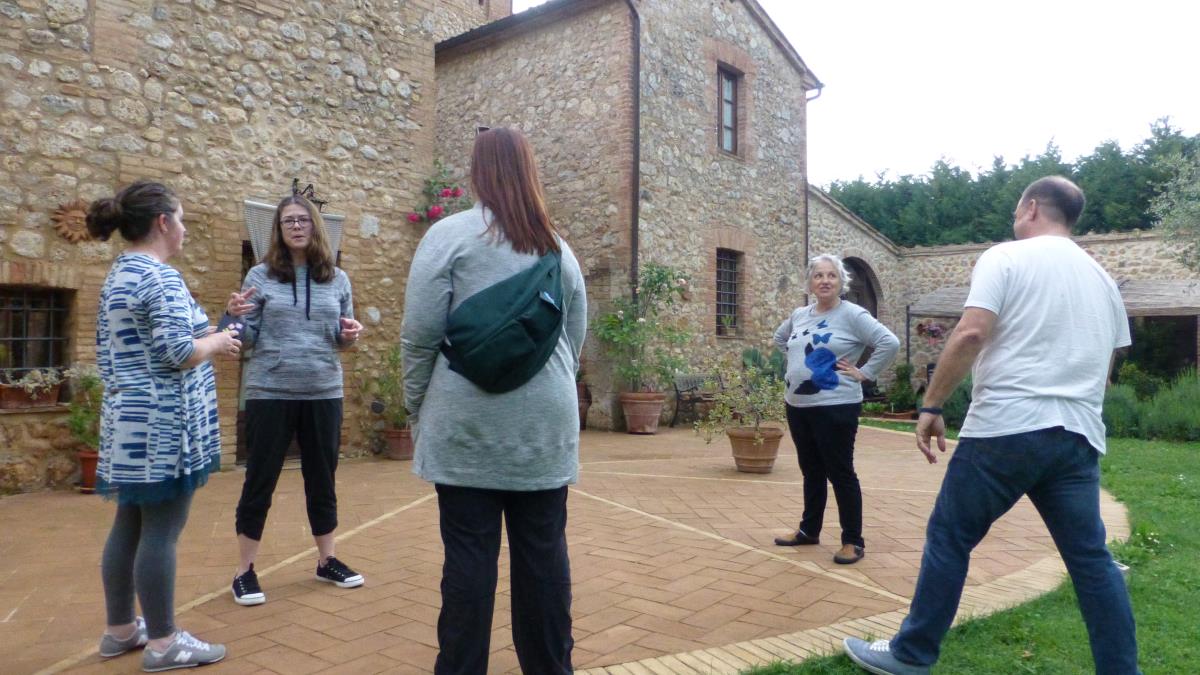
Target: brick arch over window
{"points": [[865, 290]]}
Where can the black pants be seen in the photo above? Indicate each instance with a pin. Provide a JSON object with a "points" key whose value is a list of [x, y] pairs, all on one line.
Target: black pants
{"points": [[540, 578], [270, 427], [824, 438]]}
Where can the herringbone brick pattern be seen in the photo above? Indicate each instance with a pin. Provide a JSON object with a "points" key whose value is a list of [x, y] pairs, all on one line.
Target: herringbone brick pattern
{"points": [[672, 563]]}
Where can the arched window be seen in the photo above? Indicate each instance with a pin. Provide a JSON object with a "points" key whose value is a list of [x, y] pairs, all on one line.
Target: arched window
{"points": [[864, 286]]}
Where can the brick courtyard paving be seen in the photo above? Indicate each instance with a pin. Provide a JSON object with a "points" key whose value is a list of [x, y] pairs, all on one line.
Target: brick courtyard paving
{"points": [[674, 570]]}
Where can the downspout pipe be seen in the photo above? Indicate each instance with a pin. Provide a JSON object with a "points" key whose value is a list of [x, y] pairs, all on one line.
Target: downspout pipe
{"points": [[635, 174], [806, 194]]}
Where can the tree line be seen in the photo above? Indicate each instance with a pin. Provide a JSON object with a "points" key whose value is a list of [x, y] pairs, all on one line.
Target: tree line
{"points": [[949, 205]]}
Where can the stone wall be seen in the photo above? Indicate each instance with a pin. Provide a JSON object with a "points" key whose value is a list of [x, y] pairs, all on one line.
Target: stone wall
{"points": [[223, 101], [565, 82], [696, 197], [1137, 255], [36, 451]]}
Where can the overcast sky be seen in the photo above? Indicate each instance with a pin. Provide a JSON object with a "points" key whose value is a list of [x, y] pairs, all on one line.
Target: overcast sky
{"points": [[909, 82]]}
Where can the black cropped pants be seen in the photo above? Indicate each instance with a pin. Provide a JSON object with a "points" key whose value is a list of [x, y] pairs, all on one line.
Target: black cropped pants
{"points": [[271, 425]]}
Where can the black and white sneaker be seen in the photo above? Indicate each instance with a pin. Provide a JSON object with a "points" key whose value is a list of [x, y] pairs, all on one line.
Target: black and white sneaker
{"points": [[335, 571], [246, 590]]}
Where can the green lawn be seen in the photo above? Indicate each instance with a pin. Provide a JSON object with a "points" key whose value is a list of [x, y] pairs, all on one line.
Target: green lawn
{"points": [[1159, 482]]}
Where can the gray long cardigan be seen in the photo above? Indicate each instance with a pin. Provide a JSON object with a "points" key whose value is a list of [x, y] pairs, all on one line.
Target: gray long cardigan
{"points": [[525, 439]]}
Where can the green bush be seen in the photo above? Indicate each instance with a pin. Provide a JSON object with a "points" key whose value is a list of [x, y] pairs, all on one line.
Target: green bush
{"points": [[1121, 411], [1144, 384], [954, 409], [901, 395], [1173, 413]]}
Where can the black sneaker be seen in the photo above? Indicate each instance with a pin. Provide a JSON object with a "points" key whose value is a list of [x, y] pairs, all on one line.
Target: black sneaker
{"points": [[246, 590], [335, 572]]}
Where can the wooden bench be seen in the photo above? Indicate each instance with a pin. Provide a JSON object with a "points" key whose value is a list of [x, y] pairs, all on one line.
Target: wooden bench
{"points": [[693, 390]]}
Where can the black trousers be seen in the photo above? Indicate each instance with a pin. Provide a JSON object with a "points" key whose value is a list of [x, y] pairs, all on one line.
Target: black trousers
{"points": [[270, 427], [824, 438], [540, 578]]}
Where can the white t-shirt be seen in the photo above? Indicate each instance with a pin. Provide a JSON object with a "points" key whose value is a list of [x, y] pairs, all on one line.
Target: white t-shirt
{"points": [[1060, 316]]}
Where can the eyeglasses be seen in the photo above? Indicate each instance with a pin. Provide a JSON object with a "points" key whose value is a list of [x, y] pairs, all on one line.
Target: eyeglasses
{"points": [[296, 222]]}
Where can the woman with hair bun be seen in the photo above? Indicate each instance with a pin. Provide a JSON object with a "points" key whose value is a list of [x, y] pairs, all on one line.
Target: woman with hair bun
{"points": [[159, 437]]}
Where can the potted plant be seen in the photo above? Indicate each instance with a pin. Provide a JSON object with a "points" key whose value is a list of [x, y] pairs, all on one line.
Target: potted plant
{"points": [[389, 401], [750, 410], [638, 336], [901, 397], [35, 389], [83, 421]]}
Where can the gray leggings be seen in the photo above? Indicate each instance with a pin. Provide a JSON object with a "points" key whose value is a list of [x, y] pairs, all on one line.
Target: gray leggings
{"points": [[140, 554]]}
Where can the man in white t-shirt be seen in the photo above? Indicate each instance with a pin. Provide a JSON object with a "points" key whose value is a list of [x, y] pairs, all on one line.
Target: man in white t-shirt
{"points": [[1040, 326]]}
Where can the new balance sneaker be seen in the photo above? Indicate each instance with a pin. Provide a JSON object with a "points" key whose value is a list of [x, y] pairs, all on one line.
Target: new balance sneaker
{"points": [[185, 652], [876, 657], [335, 571], [111, 646], [246, 590]]}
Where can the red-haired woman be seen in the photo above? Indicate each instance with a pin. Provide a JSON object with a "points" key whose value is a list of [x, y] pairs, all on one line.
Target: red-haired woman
{"points": [[298, 312], [494, 454]]}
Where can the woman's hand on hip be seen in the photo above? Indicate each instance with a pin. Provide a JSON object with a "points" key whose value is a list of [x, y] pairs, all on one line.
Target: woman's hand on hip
{"points": [[848, 368]]}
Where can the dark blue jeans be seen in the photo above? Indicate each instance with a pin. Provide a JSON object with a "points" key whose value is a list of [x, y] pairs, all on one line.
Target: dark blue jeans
{"points": [[540, 578], [1060, 472]]}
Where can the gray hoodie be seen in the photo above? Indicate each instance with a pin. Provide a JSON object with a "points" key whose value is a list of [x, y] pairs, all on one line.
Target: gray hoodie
{"points": [[295, 331]]}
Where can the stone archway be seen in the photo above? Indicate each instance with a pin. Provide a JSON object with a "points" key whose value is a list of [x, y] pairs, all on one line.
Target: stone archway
{"points": [[864, 285]]}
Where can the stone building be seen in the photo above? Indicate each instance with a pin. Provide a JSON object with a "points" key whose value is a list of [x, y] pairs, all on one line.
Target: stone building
{"points": [[671, 131], [224, 101]]}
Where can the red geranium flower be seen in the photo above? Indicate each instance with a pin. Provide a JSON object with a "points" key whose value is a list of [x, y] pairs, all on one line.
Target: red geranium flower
{"points": [[414, 217], [446, 192], [456, 192], [435, 211]]}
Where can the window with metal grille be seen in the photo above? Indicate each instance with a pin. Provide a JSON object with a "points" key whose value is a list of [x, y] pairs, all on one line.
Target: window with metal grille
{"points": [[33, 329], [727, 291], [727, 103]]}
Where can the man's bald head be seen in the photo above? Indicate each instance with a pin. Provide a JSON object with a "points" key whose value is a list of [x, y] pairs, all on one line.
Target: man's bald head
{"points": [[1058, 199]]}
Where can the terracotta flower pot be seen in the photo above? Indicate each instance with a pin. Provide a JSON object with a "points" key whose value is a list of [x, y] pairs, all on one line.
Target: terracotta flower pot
{"points": [[642, 410], [751, 456], [12, 396], [87, 470], [399, 443]]}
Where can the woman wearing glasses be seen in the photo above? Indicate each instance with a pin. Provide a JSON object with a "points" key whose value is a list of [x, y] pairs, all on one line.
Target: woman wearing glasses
{"points": [[298, 313]]}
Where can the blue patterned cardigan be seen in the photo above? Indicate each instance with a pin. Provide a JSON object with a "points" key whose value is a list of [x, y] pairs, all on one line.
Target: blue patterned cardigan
{"points": [[159, 436]]}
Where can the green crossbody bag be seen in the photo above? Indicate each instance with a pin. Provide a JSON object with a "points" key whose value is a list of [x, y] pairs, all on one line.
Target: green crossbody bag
{"points": [[501, 337]]}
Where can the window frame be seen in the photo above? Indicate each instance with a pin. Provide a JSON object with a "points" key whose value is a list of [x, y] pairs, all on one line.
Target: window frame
{"points": [[17, 303], [731, 75], [727, 291]]}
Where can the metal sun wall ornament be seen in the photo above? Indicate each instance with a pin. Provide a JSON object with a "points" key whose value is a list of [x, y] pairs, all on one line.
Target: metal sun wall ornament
{"points": [[70, 220]]}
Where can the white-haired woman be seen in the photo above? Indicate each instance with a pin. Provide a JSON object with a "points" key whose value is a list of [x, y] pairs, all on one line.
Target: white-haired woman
{"points": [[822, 342]]}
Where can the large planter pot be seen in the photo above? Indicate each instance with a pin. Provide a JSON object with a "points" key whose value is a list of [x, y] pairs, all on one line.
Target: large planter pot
{"points": [[750, 455], [87, 470], [642, 410], [12, 396], [585, 401], [398, 443]]}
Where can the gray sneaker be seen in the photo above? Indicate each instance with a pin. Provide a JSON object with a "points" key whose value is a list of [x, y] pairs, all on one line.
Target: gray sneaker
{"points": [[185, 652], [876, 657], [111, 646]]}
